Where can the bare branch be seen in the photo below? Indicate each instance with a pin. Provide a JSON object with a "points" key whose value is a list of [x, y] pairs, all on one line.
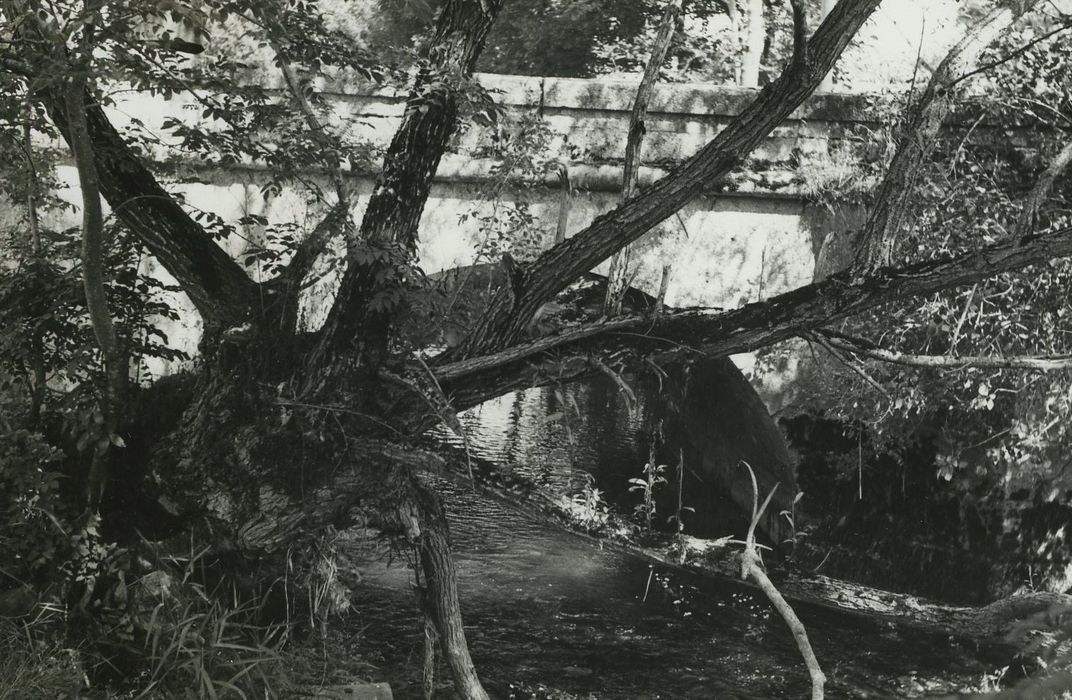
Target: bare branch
{"points": [[559, 266], [297, 96], [851, 362], [1018, 52], [752, 568], [617, 279], [864, 348], [920, 136]]}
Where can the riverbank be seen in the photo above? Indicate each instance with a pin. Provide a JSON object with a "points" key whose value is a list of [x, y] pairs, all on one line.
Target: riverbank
{"points": [[985, 625], [588, 617]]}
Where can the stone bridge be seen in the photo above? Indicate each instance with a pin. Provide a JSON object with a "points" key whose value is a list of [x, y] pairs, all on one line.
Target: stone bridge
{"points": [[754, 234], [758, 232]]}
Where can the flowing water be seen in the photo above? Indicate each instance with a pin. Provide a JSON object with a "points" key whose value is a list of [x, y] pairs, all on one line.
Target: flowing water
{"points": [[544, 606]]}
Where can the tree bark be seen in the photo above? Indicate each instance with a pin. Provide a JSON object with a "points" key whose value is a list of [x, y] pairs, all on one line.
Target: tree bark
{"points": [[919, 137], [563, 357], [507, 317], [93, 273], [828, 80], [219, 288], [217, 285], [618, 277], [441, 581], [389, 227]]}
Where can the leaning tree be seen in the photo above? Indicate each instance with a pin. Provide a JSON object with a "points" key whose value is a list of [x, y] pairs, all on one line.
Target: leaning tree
{"points": [[289, 430]]}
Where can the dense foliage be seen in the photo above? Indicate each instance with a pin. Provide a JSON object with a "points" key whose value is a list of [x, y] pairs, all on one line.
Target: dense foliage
{"points": [[996, 440], [237, 491]]}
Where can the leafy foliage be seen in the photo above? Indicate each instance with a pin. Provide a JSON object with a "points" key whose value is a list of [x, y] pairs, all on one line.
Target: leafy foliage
{"points": [[1000, 439]]}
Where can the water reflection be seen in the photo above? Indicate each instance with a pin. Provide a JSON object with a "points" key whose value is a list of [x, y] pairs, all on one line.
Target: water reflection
{"points": [[544, 606]]}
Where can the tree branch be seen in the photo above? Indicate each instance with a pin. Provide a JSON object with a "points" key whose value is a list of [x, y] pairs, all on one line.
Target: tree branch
{"points": [[217, 285], [563, 357], [563, 263], [1041, 190], [865, 348], [617, 279], [316, 127], [354, 327], [800, 34], [752, 568], [919, 137], [93, 273]]}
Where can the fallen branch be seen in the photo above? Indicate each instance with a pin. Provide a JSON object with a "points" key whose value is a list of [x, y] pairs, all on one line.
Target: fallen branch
{"points": [[752, 568], [864, 348], [563, 357]]}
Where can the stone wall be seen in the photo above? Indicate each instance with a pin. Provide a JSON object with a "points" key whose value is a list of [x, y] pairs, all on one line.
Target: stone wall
{"points": [[748, 237]]}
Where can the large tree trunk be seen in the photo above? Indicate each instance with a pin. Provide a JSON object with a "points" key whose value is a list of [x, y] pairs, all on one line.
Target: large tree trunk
{"points": [[371, 289]]}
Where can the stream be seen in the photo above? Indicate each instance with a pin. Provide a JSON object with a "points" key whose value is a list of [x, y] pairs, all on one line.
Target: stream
{"points": [[544, 606]]}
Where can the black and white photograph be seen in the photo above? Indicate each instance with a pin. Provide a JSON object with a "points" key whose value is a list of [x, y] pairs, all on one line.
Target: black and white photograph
{"points": [[535, 349]]}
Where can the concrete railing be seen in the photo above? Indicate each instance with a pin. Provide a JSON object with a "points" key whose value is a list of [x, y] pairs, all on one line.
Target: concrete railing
{"points": [[750, 236]]}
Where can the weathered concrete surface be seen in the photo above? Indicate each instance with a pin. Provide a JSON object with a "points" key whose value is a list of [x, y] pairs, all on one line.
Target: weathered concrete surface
{"points": [[750, 237]]}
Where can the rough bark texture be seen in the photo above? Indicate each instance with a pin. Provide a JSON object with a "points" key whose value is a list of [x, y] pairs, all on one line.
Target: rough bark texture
{"points": [[561, 357], [441, 582], [828, 81], [269, 453], [220, 289], [547, 275], [389, 227], [217, 285], [920, 137], [618, 278]]}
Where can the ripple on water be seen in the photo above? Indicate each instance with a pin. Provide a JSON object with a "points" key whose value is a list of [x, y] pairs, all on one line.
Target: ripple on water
{"points": [[543, 606]]}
